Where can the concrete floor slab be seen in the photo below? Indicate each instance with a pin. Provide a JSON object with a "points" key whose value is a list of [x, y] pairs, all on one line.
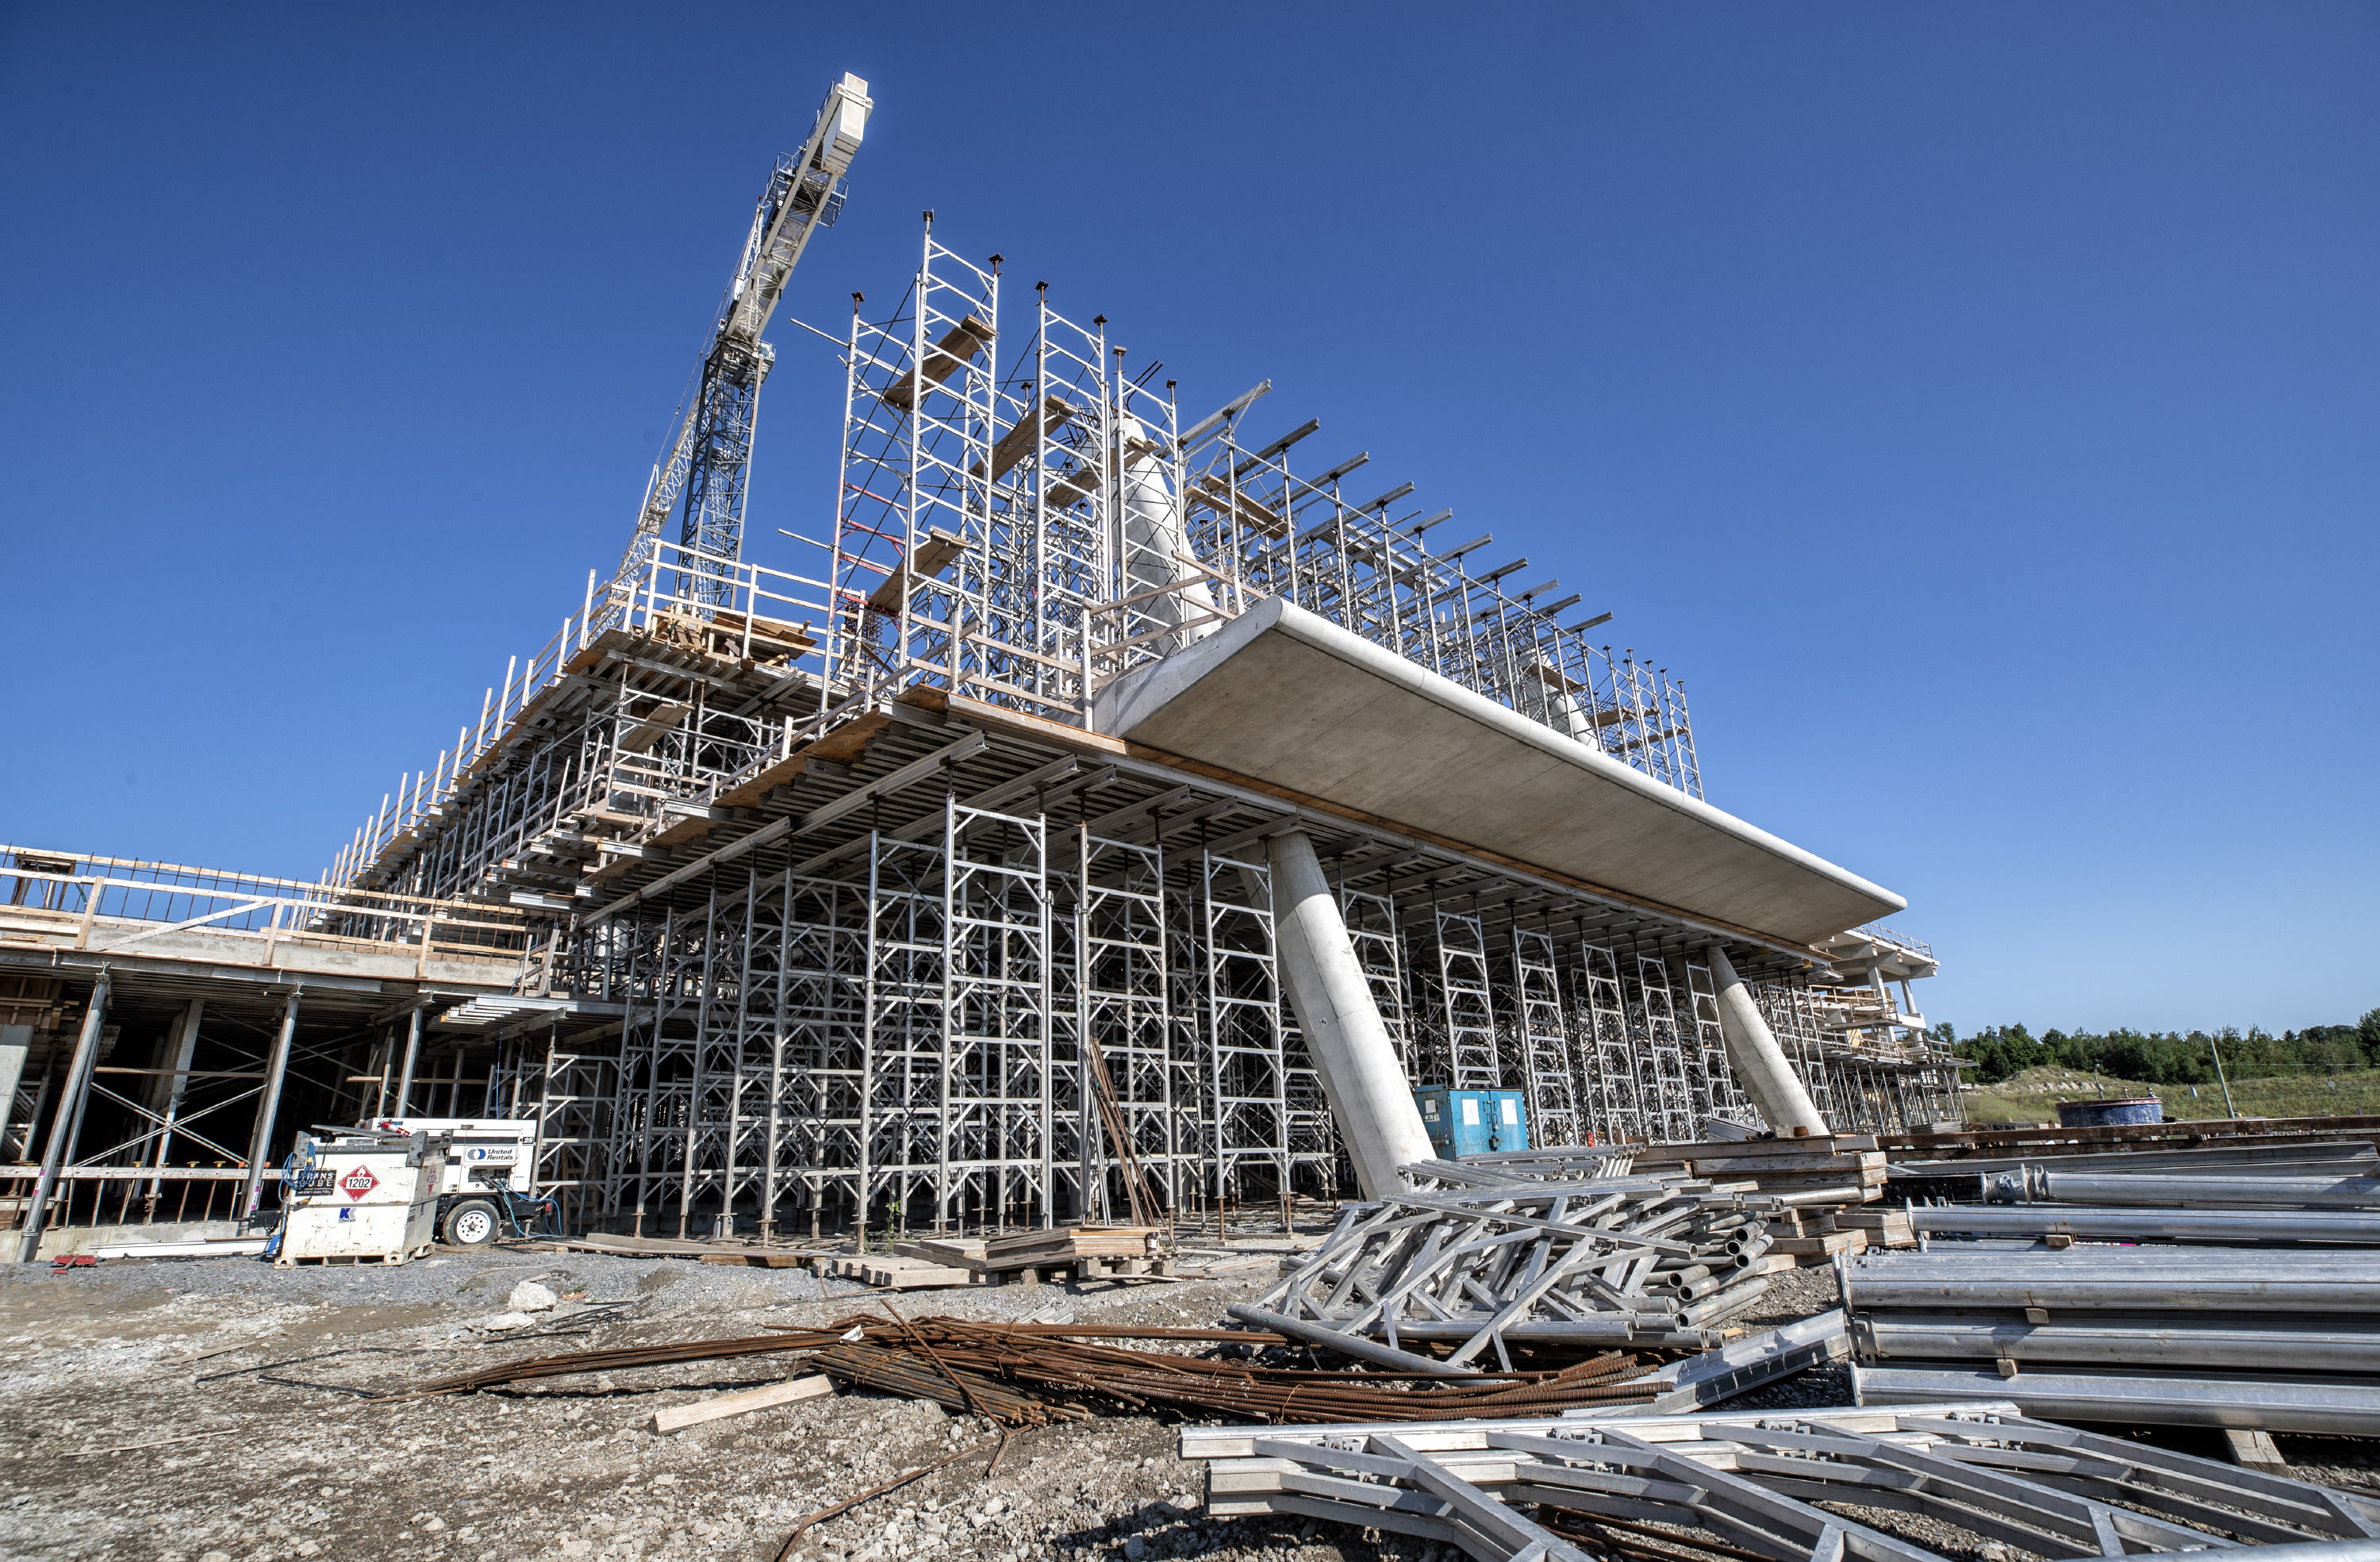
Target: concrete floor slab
{"points": [[1285, 696]]}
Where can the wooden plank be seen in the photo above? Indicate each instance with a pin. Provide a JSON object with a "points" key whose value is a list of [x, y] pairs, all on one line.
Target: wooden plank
{"points": [[1821, 1246], [919, 1278], [754, 1260], [721, 1406], [934, 554]]}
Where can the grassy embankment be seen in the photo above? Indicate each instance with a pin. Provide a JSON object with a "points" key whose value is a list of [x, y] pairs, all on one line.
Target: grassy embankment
{"points": [[2033, 1096]]}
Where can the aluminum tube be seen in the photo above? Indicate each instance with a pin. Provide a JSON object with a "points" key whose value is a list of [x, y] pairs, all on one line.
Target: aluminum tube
{"points": [[1850, 1192], [1619, 1330], [2217, 1224], [1760, 1065], [2340, 1409], [2119, 1341], [2115, 1188], [2139, 1292], [1369, 1094], [1346, 1344]]}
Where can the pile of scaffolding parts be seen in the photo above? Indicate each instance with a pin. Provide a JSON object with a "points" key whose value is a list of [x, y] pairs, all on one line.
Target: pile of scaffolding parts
{"points": [[1577, 1487], [1551, 1247], [2215, 1288]]}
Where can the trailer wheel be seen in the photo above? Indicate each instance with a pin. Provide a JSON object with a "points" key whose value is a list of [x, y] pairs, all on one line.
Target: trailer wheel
{"points": [[471, 1223]]}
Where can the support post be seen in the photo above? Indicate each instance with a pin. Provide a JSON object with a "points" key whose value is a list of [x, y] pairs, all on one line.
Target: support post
{"points": [[1760, 1065], [268, 1107], [178, 1085], [1369, 1094], [404, 1072], [86, 1054]]}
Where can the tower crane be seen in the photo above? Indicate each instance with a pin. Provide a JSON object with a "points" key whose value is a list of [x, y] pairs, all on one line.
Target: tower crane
{"points": [[710, 449]]}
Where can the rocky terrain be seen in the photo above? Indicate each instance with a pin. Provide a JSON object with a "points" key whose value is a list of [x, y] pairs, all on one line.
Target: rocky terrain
{"points": [[222, 1410]]}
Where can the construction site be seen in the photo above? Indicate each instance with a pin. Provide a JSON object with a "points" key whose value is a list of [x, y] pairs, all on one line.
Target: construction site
{"points": [[1250, 951]]}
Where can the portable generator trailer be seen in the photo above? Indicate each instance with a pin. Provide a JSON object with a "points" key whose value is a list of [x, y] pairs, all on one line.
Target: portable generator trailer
{"points": [[486, 1186]]}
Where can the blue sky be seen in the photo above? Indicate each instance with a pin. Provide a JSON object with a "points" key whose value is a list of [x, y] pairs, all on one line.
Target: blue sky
{"points": [[1974, 404]]}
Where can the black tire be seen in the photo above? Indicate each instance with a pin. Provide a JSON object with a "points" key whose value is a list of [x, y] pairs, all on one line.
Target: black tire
{"points": [[470, 1223]]}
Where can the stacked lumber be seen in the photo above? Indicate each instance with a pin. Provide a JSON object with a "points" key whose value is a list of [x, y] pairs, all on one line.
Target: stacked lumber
{"points": [[891, 1271], [1825, 1169], [1086, 1251], [955, 1253]]}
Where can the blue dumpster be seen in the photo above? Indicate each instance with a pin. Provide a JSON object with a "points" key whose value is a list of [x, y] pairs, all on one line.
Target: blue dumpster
{"points": [[1473, 1122]]}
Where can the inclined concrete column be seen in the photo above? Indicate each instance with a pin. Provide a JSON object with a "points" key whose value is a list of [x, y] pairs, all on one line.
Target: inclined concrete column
{"points": [[268, 1107], [1760, 1065], [173, 1088], [53, 1155], [1154, 538], [1369, 1094], [405, 1074]]}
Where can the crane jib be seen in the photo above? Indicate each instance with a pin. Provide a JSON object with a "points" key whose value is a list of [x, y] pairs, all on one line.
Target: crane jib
{"points": [[704, 476]]}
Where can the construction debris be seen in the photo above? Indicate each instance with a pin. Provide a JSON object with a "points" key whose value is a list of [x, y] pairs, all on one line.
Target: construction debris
{"points": [[1562, 1490]]}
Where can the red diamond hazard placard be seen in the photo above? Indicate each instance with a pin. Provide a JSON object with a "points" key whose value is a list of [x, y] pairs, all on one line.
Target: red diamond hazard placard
{"points": [[358, 1182]]}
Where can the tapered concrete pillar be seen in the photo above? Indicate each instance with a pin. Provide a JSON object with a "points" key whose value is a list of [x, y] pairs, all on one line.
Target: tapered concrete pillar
{"points": [[1369, 1094], [268, 1107], [172, 1087], [1760, 1065], [54, 1157], [405, 1074]]}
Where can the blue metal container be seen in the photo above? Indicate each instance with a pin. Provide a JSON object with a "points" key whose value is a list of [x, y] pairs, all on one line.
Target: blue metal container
{"points": [[2106, 1114], [1473, 1122]]}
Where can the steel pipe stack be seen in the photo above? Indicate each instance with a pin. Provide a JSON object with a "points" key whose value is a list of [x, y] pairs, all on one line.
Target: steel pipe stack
{"points": [[2284, 1340]]}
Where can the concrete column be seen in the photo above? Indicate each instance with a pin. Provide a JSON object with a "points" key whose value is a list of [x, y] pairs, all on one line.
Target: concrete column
{"points": [[404, 1072], [1760, 1065], [268, 1107], [177, 1085], [86, 1054], [15, 1046], [1369, 1094]]}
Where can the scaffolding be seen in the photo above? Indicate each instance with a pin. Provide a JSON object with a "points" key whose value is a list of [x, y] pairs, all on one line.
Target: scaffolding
{"points": [[849, 919]]}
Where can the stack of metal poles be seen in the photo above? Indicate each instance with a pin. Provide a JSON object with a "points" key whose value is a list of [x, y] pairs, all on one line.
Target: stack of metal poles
{"points": [[2280, 1339]]}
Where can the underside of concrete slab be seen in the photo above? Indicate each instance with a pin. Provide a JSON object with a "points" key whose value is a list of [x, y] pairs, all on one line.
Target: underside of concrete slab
{"points": [[1288, 697]]}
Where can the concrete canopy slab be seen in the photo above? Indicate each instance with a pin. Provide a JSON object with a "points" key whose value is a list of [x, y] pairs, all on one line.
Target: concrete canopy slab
{"points": [[1287, 698]]}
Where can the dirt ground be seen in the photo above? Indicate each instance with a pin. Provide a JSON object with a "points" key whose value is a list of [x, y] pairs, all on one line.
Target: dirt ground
{"points": [[218, 1410]]}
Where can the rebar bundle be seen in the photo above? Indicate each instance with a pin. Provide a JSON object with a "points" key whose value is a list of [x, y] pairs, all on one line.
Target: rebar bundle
{"points": [[1026, 1375]]}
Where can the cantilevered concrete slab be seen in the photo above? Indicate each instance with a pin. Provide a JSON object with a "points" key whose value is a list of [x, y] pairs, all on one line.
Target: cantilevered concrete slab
{"points": [[1284, 696]]}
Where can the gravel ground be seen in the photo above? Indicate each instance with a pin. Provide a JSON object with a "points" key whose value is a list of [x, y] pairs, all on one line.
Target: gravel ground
{"points": [[218, 1410]]}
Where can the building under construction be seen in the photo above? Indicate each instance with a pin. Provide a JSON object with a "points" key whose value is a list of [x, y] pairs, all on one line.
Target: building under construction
{"points": [[938, 873]]}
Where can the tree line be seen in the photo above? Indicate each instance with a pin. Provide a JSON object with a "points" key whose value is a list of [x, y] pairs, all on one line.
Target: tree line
{"points": [[2168, 1057]]}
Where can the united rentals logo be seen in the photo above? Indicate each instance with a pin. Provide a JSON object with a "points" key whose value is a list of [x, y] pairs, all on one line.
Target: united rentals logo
{"points": [[358, 1182]]}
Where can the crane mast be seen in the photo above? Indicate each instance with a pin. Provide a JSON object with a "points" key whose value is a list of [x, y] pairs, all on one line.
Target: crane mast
{"points": [[710, 451]]}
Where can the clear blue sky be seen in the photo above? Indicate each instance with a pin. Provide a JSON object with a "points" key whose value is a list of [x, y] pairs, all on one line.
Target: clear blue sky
{"points": [[1975, 404]]}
